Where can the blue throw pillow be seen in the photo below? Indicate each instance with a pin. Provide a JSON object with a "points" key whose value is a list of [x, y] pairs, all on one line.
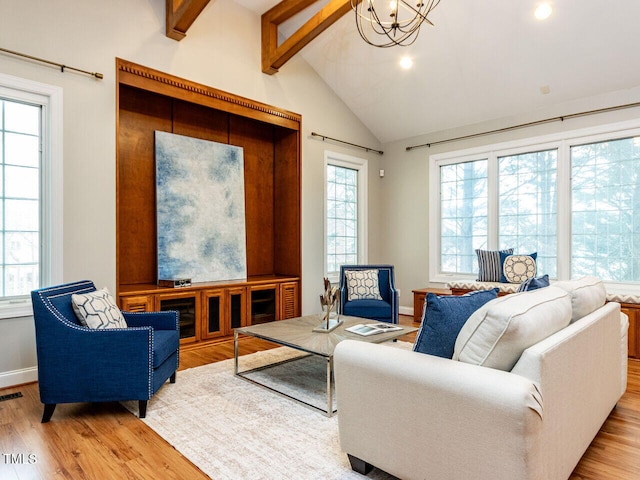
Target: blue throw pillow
{"points": [[534, 283], [443, 317]]}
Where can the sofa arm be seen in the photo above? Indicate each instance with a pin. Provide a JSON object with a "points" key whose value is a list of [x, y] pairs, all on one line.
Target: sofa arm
{"points": [[412, 415], [158, 320]]}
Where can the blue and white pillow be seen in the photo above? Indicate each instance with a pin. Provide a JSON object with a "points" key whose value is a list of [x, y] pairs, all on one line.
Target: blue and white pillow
{"points": [[490, 264], [518, 268], [362, 285], [534, 283]]}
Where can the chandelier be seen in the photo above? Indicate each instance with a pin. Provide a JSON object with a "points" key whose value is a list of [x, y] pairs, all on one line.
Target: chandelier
{"points": [[385, 23]]}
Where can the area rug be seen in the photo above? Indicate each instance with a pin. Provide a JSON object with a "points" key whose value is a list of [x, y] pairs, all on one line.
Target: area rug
{"points": [[233, 429]]}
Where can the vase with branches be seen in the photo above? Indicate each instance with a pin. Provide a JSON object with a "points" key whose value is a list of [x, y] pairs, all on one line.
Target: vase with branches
{"points": [[329, 300]]}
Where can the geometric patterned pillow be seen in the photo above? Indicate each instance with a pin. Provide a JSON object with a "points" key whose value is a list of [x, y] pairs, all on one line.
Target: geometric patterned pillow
{"points": [[97, 310], [490, 265], [362, 285], [518, 268]]}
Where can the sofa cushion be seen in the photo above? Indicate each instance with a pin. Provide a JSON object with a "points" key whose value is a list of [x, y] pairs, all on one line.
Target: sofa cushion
{"points": [[373, 309], [362, 285], [97, 310], [498, 332], [165, 344], [443, 317], [587, 295], [490, 265], [518, 268], [534, 283]]}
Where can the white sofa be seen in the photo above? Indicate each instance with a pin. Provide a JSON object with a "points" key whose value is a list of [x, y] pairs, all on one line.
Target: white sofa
{"points": [[418, 416]]}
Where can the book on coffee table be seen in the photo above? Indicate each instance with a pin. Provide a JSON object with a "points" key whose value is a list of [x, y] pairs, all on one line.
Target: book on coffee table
{"points": [[373, 328]]}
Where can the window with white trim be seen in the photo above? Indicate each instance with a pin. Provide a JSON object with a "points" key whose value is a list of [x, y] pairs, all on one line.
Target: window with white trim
{"points": [[573, 198], [20, 138], [527, 206], [605, 205], [463, 214], [30, 191], [345, 211]]}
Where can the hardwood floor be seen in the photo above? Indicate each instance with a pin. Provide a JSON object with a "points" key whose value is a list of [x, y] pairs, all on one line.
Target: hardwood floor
{"points": [[105, 441]]}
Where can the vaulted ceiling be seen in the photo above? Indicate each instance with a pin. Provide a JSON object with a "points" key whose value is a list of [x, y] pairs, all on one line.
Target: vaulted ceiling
{"points": [[480, 61]]}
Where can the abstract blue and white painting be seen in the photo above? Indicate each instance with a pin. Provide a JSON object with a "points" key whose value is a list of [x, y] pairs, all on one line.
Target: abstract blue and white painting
{"points": [[200, 209]]}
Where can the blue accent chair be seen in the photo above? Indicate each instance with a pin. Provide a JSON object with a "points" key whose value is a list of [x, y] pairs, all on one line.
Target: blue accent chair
{"points": [[385, 310], [79, 364]]}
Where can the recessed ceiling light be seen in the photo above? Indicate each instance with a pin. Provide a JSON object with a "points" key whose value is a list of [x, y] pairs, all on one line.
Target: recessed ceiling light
{"points": [[406, 63], [543, 11]]}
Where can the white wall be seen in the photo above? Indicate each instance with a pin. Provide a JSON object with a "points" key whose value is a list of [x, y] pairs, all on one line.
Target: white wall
{"points": [[406, 186], [222, 50]]}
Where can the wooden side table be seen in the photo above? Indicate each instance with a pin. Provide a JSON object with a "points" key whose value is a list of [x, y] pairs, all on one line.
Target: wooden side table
{"points": [[419, 297]]}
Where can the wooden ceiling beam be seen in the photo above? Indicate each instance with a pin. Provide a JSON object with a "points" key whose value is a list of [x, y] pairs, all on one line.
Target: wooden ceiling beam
{"points": [[286, 9], [181, 14], [274, 56]]}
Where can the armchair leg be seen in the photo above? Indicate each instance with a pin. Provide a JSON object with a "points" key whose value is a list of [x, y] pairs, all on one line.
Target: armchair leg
{"points": [[360, 466], [48, 412], [142, 408], [172, 379]]}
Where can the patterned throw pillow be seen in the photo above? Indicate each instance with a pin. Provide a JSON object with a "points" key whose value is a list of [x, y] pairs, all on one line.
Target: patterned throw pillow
{"points": [[362, 285], [518, 268], [97, 310], [490, 265]]}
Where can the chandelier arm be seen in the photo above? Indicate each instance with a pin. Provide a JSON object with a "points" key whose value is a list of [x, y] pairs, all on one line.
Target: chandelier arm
{"points": [[400, 41], [378, 26], [405, 36], [373, 14], [418, 13], [360, 30], [391, 42]]}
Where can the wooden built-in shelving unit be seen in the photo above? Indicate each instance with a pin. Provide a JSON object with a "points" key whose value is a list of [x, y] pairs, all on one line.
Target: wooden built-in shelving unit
{"points": [[149, 100]]}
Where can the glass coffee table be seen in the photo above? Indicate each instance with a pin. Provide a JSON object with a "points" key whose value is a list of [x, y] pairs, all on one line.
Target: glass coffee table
{"points": [[297, 333]]}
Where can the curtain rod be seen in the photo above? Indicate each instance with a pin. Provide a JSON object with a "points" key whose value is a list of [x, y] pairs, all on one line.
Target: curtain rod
{"points": [[324, 137], [530, 124], [62, 67]]}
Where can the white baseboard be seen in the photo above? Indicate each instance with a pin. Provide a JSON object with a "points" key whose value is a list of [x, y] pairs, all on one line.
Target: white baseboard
{"points": [[406, 311], [18, 377]]}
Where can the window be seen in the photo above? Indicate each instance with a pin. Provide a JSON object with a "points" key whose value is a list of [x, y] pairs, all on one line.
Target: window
{"points": [[345, 211], [20, 197], [605, 204], [463, 217], [572, 198], [30, 191], [526, 209], [527, 204]]}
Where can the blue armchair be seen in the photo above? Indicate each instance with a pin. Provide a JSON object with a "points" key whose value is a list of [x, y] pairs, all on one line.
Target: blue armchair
{"points": [[385, 310], [80, 364]]}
